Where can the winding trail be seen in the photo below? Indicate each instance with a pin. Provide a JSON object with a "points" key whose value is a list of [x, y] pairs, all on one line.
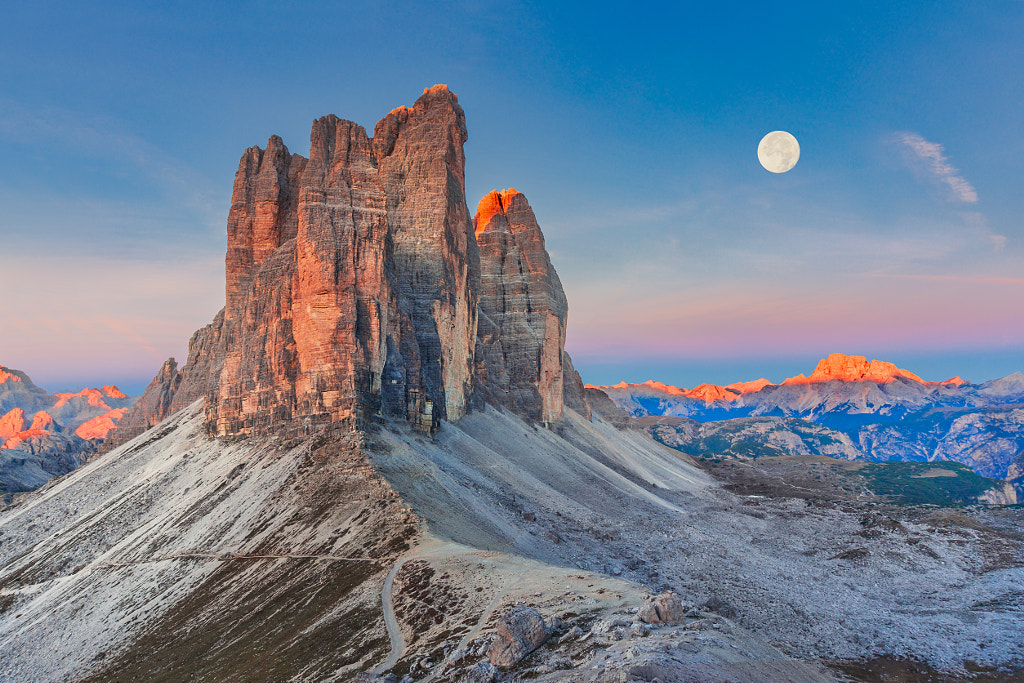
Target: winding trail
{"points": [[432, 548], [429, 547], [517, 574], [390, 622]]}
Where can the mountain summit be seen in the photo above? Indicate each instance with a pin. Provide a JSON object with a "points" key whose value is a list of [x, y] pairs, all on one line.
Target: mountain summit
{"points": [[843, 368], [356, 288], [45, 435]]}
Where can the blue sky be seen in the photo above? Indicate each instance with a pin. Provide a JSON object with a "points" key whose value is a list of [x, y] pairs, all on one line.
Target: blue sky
{"points": [[631, 129]]}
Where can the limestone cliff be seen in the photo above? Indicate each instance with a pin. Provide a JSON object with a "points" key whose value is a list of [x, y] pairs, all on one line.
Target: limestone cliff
{"points": [[422, 172], [354, 285], [523, 310]]}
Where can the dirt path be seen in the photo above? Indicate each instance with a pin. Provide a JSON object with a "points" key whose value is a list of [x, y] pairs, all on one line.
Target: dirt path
{"points": [[390, 622], [429, 548], [228, 557], [435, 549]]}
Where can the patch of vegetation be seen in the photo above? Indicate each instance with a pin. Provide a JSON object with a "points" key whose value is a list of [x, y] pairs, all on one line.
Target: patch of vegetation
{"points": [[753, 449], [910, 483], [882, 669]]}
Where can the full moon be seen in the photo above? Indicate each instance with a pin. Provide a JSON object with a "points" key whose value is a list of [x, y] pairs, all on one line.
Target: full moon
{"points": [[778, 152]]}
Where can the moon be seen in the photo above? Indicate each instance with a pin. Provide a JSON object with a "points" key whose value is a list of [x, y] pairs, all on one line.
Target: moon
{"points": [[778, 151]]}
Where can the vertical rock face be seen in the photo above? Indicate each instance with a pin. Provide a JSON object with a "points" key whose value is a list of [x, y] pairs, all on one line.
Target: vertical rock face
{"points": [[263, 214], [573, 392], [354, 284], [523, 310], [422, 170], [346, 313]]}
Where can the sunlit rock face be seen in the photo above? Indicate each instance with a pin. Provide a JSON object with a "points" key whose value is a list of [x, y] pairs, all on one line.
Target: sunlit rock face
{"points": [[99, 426], [523, 310], [11, 423], [843, 368], [354, 287], [44, 435]]}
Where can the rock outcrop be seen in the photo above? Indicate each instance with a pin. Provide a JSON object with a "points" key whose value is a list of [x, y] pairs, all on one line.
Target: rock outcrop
{"points": [[523, 311], [666, 608], [574, 394], [354, 285], [518, 633], [601, 405]]}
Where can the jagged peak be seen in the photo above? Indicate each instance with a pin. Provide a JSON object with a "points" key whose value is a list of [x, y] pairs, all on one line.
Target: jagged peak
{"points": [[492, 204], [709, 393], [8, 375], [660, 386], [843, 368], [649, 384], [112, 391], [42, 420], [94, 397], [749, 387]]}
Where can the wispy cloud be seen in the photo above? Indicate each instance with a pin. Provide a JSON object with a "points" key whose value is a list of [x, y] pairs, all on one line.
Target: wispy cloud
{"points": [[930, 158]]}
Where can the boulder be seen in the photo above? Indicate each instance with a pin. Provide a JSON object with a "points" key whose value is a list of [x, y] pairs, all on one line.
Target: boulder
{"points": [[521, 631], [667, 608]]}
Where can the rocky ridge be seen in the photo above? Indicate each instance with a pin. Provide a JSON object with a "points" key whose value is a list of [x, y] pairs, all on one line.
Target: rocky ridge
{"points": [[44, 435], [865, 410], [840, 384], [357, 286], [523, 311]]}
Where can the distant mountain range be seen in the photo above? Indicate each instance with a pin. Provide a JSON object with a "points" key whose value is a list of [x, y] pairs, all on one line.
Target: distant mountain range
{"points": [[864, 410], [45, 435]]}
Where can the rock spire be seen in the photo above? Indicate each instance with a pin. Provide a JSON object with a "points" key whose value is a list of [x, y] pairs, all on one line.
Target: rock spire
{"points": [[356, 286]]}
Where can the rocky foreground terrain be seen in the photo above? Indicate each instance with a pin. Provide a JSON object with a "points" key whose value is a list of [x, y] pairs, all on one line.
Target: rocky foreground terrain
{"points": [[46, 435], [178, 557], [378, 464]]}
